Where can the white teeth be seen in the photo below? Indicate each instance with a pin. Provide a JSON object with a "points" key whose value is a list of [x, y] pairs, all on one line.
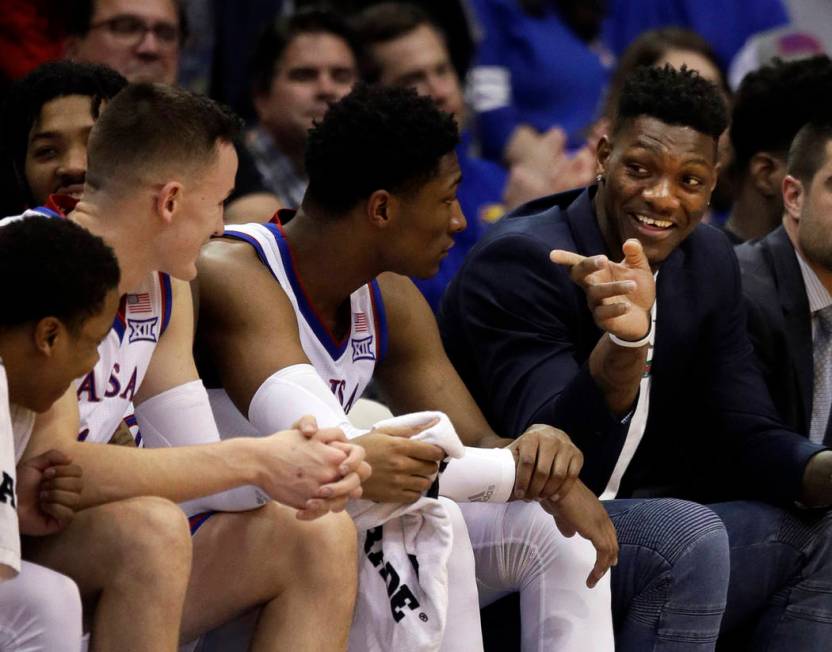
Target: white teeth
{"points": [[662, 224]]}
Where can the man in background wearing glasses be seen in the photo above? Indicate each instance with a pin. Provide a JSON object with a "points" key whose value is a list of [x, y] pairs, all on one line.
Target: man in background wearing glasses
{"points": [[139, 39]]}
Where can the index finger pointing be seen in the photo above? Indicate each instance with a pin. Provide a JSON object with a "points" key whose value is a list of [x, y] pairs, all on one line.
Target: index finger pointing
{"points": [[562, 257]]}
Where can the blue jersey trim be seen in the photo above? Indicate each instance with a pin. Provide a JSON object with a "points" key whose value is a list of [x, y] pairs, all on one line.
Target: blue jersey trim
{"points": [[167, 299], [120, 320], [198, 520], [334, 348], [245, 237], [48, 212], [380, 316]]}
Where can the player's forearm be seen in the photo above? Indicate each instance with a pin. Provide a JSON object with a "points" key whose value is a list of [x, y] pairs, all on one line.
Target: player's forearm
{"points": [[617, 371], [116, 473]]}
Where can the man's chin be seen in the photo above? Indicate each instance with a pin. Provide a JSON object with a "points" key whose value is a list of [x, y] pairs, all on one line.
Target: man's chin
{"points": [[150, 75]]}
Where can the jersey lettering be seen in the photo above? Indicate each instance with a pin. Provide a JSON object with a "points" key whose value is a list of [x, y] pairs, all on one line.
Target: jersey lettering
{"points": [[88, 386], [7, 490], [130, 391], [338, 388], [114, 385]]}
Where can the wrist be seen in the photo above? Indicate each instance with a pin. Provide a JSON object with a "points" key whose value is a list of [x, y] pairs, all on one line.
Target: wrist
{"points": [[245, 455], [637, 343]]}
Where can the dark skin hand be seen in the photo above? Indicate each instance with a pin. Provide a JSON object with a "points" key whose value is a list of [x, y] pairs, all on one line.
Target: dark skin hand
{"points": [[580, 512], [620, 296], [49, 492]]}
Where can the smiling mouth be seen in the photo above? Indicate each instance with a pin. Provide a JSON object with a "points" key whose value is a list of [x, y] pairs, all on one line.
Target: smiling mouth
{"points": [[74, 190], [652, 223]]}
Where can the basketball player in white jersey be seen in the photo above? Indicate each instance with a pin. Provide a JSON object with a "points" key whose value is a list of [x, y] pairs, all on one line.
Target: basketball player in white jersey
{"points": [[305, 313], [53, 319], [160, 166]]}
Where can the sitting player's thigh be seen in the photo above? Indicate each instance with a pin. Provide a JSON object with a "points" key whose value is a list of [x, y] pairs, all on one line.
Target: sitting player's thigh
{"points": [[135, 537], [245, 559]]}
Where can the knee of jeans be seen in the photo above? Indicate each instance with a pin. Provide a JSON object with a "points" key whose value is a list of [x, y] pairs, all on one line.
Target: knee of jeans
{"points": [[674, 529], [815, 540]]}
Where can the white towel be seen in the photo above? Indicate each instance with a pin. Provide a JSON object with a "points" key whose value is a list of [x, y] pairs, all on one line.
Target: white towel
{"points": [[403, 554]]}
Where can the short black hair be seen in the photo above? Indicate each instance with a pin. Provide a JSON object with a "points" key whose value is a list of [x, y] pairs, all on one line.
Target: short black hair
{"points": [[45, 83], [150, 125], [774, 102], [386, 22], [53, 268], [375, 139], [78, 18], [807, 153], [676, 97], [277, 36]]}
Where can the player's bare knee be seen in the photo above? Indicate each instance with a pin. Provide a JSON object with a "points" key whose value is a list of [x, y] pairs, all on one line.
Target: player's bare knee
{"points": [[328, 548], [152, 538]]}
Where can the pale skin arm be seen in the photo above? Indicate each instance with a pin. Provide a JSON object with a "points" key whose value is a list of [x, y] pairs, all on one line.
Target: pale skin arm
{"points": [[286, 465], [173, 365], [114, 473], [620, 296]]}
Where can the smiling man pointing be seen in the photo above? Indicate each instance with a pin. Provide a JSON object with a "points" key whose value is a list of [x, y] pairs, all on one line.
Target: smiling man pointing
{"points": [[646, 363]]}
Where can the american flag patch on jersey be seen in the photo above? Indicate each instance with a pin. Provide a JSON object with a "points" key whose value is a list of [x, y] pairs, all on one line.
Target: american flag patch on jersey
{"points": [[139, 302], [361, 323]]}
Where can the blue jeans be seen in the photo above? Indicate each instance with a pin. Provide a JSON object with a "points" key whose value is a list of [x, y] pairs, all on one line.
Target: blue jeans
{"points": [[780, 593], [669, 588], [671, 585]]}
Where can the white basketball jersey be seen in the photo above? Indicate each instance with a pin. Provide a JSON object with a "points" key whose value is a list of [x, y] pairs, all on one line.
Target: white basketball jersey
{"points": [[105, 394], [345, 365], [10, 452]]}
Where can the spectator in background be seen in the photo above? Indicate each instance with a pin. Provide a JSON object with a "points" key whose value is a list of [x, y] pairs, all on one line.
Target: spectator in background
{"points": [[302, 63], [402, 46], [770, 106], [539, 65], [141, 39], [45, 126], [725, 25], [787, 282]]}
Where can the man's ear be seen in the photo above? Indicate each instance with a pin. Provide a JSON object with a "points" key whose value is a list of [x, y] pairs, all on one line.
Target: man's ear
{"points": [[766, 172], [602, 154], [168, 200], [793, 196], [47, 334], [381, 208]]}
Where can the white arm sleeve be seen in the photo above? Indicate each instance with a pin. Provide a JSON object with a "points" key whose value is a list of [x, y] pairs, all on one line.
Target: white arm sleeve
{"points": [[482, 475], [181, 416], [294, 392]]}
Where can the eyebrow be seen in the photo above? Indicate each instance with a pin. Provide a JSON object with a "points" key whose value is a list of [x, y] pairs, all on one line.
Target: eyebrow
{"points": [[457, 180], [650, 147], [55, 134]]}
